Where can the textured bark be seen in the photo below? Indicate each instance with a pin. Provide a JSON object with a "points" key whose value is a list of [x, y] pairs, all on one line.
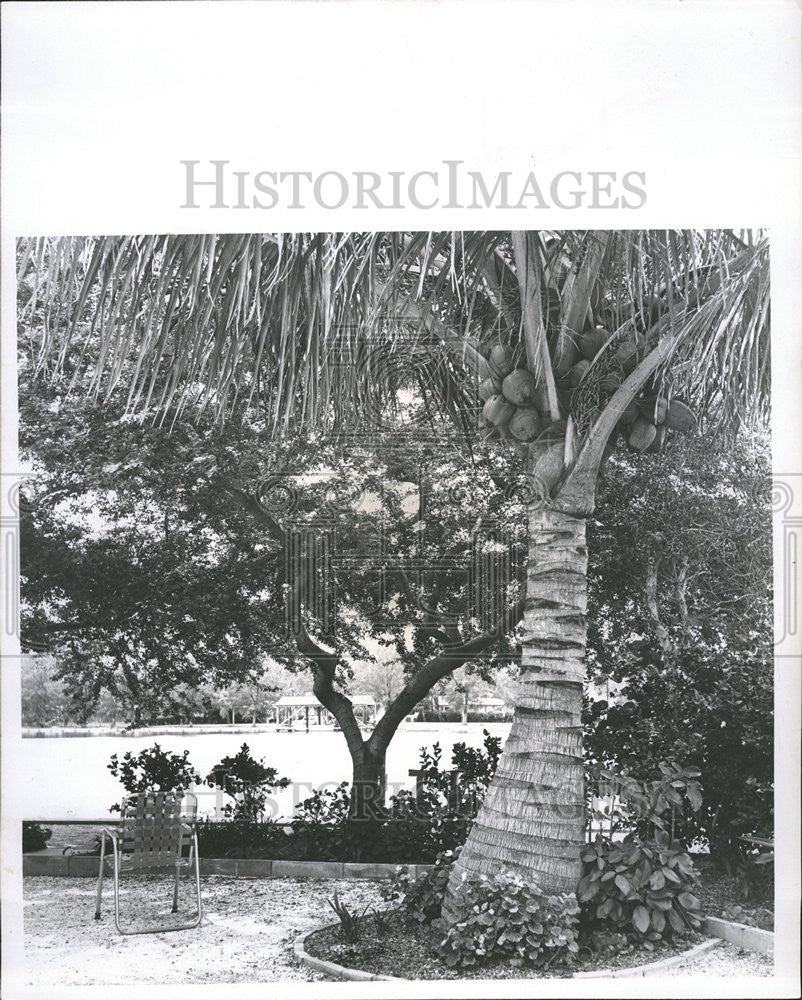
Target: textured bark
{"points": [[367, 789], [532, 819]]}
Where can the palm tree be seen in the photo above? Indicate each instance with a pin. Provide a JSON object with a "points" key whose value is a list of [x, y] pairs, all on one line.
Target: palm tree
{"points": [[224, 323]]}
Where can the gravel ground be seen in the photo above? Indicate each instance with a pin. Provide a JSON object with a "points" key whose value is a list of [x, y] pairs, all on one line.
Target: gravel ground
{"points": [[246, 935]]}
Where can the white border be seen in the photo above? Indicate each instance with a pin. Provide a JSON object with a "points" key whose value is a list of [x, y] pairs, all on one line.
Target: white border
{"points": [[101, 101]]}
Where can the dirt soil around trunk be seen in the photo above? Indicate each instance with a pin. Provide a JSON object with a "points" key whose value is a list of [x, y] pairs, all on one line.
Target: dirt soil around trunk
{"points": [[246, 936], [406, 952]]}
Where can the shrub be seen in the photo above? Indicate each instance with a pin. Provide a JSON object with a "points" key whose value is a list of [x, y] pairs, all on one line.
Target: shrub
{"points": [[35, 837], [505, 917], [460, 790], [324, 806], [391, 841], [639, 887], [247, 781], [661, 802], [240, 839], [475, 769], [152, 769], [421, 900]]}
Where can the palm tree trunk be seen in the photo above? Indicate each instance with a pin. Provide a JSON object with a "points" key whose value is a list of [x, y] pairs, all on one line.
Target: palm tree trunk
{"points": [[532, 819]]}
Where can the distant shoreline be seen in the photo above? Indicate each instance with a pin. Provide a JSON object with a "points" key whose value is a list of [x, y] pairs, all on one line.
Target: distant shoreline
{"points": [[205, 729]]}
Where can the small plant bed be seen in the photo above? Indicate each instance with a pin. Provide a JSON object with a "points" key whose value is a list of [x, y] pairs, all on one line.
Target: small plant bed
{"points": [[408, 951], [633, 907]]}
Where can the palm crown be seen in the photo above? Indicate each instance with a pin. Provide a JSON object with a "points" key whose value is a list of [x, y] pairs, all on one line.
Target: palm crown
{"points": [[325, 329]]}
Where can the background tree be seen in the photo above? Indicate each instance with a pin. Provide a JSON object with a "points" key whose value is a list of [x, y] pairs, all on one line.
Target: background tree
{"points": [[327, 330], [156, 565], [681, 594], [44, 701], [382, 678]]}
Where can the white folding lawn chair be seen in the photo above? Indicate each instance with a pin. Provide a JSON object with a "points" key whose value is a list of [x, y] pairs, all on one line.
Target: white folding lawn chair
{"points": [[154, 832]]}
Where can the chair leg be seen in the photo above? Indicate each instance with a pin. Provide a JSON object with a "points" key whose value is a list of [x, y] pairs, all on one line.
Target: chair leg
{"points": [[197, 878], [175, 889], [100, 875], [117, 893]]}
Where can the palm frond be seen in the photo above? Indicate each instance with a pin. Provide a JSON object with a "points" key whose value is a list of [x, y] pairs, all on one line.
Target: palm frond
{"points": [[324, 331]]}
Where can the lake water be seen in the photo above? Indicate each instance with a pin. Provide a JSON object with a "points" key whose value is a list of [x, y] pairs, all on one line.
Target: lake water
{"points": [[67, 778]]}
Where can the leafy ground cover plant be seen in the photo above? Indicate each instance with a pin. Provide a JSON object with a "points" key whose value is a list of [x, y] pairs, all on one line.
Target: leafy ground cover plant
{"points": [[762, 917], [247, 781], [152, 769], [421, 899], [505, 917]]}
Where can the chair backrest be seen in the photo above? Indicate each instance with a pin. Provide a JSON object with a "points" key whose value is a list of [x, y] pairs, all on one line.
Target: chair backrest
{"points": [[151, 827]]}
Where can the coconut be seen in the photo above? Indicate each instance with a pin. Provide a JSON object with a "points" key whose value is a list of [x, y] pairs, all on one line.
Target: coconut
{"points": [[519, 387], [592, 341], [500, 362], [659, 438], [525, 425], [489, 387], [680, 417], [577, 373], [642, 433], [627, 354], [498, 411], [654, 408]]}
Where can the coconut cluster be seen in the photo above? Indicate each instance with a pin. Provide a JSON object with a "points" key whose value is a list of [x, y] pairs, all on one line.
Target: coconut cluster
{"points": [[510, 396]]}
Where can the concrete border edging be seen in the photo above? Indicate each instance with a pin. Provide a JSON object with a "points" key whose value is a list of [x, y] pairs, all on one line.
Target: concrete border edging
{"points": [[335, 971], [332, 969], [650, 968], [40, 863], [741, 935]]}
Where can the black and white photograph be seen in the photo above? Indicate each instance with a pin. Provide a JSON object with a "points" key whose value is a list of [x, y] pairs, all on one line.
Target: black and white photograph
{"points": [[405, 605]]}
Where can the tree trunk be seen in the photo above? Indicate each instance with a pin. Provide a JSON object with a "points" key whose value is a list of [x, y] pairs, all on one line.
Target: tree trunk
{"points": [[532, 819], [367, 790]]}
